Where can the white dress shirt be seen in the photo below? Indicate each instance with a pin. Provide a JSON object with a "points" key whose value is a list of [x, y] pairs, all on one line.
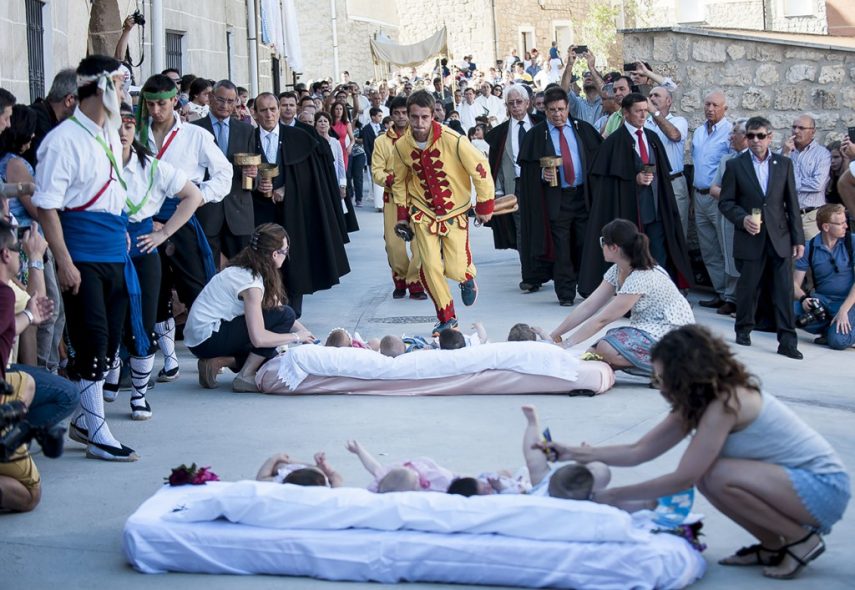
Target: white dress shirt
{"points": [[73, 167], [467, 113], [365, 115], [269, 143], [632, 131], [168, 180], [514, 132], [494, 107], [761, 169], [194, 151]]}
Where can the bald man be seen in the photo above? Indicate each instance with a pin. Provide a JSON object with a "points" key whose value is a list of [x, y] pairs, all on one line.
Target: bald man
{"points": [[673, 131], [812, 167], [710, 142]]}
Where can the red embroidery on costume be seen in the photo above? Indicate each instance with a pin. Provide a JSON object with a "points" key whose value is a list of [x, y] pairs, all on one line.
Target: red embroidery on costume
{"points": [[403, 214], [433, 180], [480, 170], [390, 180]]}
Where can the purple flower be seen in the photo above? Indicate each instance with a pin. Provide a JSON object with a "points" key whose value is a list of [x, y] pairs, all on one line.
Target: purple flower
{"points": [[204, 475]]}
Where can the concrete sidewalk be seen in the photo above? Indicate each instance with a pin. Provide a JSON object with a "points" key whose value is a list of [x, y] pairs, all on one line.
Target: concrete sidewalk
{"points": [[73, 539]]}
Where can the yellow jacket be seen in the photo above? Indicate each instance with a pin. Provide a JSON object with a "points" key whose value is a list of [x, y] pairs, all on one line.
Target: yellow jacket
{"points": [[381, 162], [437, 181]]}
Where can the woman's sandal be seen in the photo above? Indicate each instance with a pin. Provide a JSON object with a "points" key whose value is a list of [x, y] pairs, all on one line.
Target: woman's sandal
{"points": [[754, 555], [801, 562]]}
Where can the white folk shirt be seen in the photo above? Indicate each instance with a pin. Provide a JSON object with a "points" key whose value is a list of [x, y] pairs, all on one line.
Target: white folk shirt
{"points": [[73, 167], [193, 151], [168, 180]]}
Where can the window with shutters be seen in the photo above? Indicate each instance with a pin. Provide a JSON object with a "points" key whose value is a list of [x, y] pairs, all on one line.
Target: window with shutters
{"points": [[35, 48], [175, 50]]}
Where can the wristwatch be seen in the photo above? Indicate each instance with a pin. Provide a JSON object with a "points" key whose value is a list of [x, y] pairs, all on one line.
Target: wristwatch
{"points": [[36, 264]]}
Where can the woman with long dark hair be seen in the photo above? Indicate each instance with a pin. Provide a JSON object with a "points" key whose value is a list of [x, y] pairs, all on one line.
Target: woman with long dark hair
{"points": [[340, 123], [749, 454], [13, 167], [635, 284], [241, 315]]}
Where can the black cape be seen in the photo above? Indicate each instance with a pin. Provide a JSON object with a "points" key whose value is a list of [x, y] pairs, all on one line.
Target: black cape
{"points": [[311, 214], [614, 195], [536, 196]]}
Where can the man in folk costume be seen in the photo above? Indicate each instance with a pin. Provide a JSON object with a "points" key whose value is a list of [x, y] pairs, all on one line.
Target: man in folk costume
{"points": [[434, 170], [304, 199], [405, 268], [505, 141], [80, 194], [186, 258], [554, 218], [630, 180]]}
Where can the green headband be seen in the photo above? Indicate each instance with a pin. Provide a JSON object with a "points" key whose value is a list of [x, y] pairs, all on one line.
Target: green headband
{"points": [[142, 112]]}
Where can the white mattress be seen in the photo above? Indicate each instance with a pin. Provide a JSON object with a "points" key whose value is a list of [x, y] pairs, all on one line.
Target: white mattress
{"points": [[155, 544]]}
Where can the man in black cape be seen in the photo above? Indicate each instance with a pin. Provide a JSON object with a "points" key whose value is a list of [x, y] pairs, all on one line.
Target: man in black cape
{"points": [[622, 189], [554, 219], [306, 202], [504, 152]]}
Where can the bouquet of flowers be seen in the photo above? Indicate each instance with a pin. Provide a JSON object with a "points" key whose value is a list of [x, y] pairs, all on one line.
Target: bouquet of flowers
{"points": [[195, 476]]}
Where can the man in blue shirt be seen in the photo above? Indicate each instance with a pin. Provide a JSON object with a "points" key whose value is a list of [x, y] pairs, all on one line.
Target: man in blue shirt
{"points": [[709, 143], [831, 261]]}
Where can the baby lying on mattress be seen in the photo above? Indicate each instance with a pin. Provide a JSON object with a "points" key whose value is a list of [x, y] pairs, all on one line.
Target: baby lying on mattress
{"points": [[570, 481]]}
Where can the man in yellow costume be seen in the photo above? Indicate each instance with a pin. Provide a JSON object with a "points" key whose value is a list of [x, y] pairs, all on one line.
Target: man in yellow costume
{"points": [[405, 269], [434, 169]]}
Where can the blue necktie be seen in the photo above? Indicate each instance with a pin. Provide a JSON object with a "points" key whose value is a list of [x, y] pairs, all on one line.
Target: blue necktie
{"points": [[221, 137], [270, 149]]}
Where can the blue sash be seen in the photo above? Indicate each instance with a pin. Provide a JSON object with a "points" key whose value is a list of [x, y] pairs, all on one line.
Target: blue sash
{"points": [[98, 236], [137, 229], [166, 210]]}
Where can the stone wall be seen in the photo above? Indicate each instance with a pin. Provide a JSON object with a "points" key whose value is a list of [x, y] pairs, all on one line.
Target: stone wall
{"points": [[512, 15], [470, 27], [776, 79]]}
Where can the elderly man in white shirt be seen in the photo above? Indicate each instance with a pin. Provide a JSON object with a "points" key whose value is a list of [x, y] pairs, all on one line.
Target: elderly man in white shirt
{"points": [[188, 262], [492, 106]]}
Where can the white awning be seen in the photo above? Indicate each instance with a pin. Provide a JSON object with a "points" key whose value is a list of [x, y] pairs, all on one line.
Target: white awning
{"points": [[410, 55]]}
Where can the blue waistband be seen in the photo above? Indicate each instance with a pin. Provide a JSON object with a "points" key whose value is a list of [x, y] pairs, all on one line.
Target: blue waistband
{"points": [[137, 229], [166, 210]]}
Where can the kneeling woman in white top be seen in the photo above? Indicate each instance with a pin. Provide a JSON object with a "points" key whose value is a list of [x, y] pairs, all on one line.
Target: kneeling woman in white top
{"points": [[633, 284], [241, 316]]}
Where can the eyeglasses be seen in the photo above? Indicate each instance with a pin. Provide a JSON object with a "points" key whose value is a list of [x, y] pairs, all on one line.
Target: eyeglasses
{"points": [[603, 243], [556, 111], [515, 102], [800, 128], [281, 251], [222, 100], [760, 136]]}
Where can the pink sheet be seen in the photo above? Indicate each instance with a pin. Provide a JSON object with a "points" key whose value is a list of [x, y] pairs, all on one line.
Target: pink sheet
{"points": [[593, 375]]}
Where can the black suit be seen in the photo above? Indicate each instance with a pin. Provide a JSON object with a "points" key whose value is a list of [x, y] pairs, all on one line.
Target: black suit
{"points": [[368, 139], [229, 224], [763, 260]]}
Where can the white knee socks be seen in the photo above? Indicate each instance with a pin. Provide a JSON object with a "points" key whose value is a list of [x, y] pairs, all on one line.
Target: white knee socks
{"points": [[92, 404], [166, 341], [111, 379], [141, 368]]}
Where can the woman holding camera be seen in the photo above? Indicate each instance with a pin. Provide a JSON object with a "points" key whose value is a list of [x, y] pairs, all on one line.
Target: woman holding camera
{"points": [[749, 455], [634, 284]]}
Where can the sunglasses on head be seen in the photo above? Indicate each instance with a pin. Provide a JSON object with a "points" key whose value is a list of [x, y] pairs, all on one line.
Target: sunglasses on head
{"points": [[760, 136]]}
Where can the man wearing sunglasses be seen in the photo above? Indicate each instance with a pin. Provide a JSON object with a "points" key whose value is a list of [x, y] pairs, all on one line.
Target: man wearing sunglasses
{"points": [[761, 183], [829, 256]]}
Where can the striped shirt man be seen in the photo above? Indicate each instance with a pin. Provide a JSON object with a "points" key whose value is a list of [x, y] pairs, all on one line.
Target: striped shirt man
{"points": [[812, 167]]}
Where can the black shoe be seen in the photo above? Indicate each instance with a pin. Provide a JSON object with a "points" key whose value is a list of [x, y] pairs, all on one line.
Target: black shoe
{"points": [[399, 293], [714, 302], [790, 351], [726, 309], [169, 376], [743, 339], [529, 287], [104, 452], [78, 434], [566, 302], [821, 340], [418, 295]]}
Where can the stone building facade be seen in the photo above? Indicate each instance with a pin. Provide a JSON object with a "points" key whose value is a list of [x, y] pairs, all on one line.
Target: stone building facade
{"points": [[777, 76]]}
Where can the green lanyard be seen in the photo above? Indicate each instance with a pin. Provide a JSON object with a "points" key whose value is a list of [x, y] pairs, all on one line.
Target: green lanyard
{"points": [[107, 150], [133, 209]]}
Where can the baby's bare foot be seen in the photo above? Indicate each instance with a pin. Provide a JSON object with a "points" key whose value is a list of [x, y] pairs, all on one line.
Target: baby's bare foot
{"points": [[530, 413]]}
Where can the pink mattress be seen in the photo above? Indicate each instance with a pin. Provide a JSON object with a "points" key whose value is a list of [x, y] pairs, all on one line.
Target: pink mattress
{"points": [[593, 376]]}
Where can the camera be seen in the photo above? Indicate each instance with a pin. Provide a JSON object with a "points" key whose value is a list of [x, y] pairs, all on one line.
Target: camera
{"points": [[16, 431], [138, 18], [816, 313]]}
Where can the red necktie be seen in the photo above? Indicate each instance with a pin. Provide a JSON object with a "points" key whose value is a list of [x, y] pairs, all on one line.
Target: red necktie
{"points": [[641, 147], [566, 158]]}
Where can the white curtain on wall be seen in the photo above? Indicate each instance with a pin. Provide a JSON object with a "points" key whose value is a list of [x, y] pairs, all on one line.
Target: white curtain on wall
{"points": [[279, 30]]}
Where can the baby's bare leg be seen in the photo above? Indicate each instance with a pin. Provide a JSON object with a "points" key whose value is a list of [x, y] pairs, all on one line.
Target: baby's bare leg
{"points": [[535, 459]]}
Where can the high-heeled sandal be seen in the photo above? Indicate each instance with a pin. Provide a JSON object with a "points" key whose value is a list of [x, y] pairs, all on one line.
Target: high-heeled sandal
{"points": [[801, 562], [773, 557]]}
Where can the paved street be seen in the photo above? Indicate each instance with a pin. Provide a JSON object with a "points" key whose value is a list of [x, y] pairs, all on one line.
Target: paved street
{"points": [[73, 539]]}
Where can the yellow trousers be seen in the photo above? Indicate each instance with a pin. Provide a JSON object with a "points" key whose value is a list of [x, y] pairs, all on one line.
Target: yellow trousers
{"points": [[405, 268], [445, 254]]}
